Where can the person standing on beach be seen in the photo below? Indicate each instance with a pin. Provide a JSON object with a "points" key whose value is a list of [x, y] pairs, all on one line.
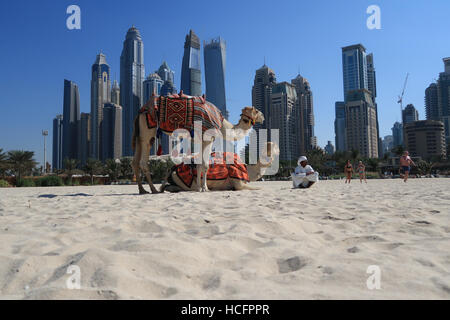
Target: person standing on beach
{"points": [[348, 170], [405, 164], [362, 172]]}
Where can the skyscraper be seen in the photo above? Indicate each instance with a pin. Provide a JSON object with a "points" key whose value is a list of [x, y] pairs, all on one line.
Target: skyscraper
{"points": [[57, 142], [431, 102], [329, 148], [191, 78], [443, 85], [361, 123], [359, 73], [100, 94], [115, 93], [410, 114], [151, 85], [71, 118], [354, 67], [214, 53], [283, 104], [132, 73], [166, 73], [397, 134], [305, 114], [112, 132], [339, 126], [168, 88], [85, 128], [262, 89]]}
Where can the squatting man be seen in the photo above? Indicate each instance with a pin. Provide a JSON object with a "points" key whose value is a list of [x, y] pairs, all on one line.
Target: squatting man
{"points": [[304, 175]]}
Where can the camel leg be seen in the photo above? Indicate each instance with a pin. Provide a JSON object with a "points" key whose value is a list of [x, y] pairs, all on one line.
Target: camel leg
{"points": [[146, 146], [204, 166], [241, 185], [136, 169]]}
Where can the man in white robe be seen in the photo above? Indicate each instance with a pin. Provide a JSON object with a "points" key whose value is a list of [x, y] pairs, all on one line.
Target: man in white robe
{"points": [[304, 175]]}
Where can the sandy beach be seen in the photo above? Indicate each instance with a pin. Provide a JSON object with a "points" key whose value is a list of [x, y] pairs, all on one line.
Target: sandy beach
{"points": [[272, 243]]}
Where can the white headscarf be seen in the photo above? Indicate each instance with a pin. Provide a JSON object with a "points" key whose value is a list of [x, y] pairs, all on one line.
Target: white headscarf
{"points": [[301, 159]]}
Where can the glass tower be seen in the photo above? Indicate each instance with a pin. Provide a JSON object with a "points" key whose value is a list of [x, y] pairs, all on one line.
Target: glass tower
{"points": [[132, 74], [71, 118], [57, 142], [191, 82], [214, 53], [100, 94]]}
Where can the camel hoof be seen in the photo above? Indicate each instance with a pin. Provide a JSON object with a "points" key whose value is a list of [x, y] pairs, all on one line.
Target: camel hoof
{"points": [[155, 191], [142, 191], [204, 190]]}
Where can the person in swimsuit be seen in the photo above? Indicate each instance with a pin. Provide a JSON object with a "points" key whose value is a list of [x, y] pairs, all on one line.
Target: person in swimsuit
{"points": [[362, 171], [348, 170], [405, 164]]}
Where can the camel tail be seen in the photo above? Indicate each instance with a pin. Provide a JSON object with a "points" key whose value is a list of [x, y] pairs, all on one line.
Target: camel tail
{"points": [[136, 133]]}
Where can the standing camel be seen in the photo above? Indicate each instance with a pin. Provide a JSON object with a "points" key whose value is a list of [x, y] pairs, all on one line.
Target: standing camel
{"points": [[179, 111]]}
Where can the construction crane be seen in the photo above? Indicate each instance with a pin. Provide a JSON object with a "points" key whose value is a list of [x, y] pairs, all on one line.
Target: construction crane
{"points": [[400, 97]]}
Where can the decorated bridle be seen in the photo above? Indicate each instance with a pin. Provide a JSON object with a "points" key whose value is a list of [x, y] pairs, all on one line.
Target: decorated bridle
{"points": [[251, 119]]}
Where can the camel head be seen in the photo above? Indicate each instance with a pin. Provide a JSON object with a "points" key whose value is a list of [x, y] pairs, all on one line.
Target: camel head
{"points": [[250, 116], [256, 171]]}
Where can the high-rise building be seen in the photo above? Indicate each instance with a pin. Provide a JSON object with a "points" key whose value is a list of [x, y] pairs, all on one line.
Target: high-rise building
{"points": [[361, 123], [85, 128], [112, 132], [431, 102], [168, 88], [305, 114], [100, 94], [359, 73], [166, 73], [214, 53], [371, 76], [152, 85], [115, 93], [410, 114], [57, 159], [191, 76], [262, 89], [425, 139], [397, 134], [443, 85], [388, 143], [354, 67], [283, 104], [132, 74], [329, 148], [71, 118], [339, 126]]}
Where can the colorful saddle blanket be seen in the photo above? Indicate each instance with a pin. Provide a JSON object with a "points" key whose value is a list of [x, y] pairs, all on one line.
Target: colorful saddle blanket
{"points": [[180, 111], [218, 169]]}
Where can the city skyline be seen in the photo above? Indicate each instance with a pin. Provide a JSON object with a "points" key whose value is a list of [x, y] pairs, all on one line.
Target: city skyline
{"points": [[390, 50]]}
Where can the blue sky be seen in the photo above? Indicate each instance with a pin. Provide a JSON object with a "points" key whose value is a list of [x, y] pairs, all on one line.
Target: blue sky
{"points": [[38, 52]]}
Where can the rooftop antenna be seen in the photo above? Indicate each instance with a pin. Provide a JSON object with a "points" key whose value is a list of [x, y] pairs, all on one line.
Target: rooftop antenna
{"points": [[400, 97]]}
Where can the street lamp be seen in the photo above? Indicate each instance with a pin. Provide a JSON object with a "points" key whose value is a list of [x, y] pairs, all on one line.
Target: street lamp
{"points": [[45, 134]]}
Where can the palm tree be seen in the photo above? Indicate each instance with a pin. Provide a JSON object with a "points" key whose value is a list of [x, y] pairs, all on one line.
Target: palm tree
{"points": [[3, 163], [93, 167], [125, 168], [398, 150], [112, 168], [70, 166], [21, 162]]}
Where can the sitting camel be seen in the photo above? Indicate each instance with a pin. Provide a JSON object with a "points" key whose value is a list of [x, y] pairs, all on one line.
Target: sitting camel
{"points": [[179, 111], [176, 182]]}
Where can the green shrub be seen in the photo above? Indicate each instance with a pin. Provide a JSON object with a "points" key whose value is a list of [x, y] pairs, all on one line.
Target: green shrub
{"points": [[25, 183], [49, 181], [4, 184]]}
